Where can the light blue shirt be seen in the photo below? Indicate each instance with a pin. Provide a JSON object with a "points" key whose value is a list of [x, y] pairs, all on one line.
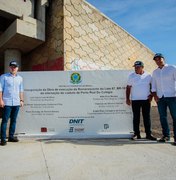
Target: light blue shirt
{"points": [[11, 87]]}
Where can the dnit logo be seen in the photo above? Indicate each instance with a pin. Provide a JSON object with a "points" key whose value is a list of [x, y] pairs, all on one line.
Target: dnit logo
{"points": [[76, 125], [76, 121]]}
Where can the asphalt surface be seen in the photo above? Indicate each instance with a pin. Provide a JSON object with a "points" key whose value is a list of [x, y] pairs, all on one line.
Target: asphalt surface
{"points": [[89, 159]]}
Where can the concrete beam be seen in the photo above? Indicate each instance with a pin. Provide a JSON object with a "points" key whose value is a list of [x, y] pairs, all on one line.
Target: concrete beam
{"points": [[24, 34], [17, 8]]}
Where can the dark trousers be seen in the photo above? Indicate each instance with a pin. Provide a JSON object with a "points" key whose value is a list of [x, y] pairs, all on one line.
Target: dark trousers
{"points": [[163, 104], [137, 105], [9, 112]]}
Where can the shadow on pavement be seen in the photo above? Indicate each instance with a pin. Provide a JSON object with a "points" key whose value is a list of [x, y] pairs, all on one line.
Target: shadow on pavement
{"points": [[100, 142]]}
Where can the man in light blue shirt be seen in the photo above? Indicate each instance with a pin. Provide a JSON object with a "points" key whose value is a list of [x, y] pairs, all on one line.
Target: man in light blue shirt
{"points": [[164, 92], [11, 98]]}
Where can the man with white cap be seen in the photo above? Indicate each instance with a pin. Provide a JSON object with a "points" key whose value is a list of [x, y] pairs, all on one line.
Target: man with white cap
{"points": [[138, 95], [11, 98]]}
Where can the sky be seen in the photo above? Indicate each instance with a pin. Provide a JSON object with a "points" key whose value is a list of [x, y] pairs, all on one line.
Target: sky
{"points": [[152, 22]]}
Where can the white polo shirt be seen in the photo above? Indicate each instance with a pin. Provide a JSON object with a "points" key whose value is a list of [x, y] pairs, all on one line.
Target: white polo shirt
{"points": [[140, 85], [164, 81]]}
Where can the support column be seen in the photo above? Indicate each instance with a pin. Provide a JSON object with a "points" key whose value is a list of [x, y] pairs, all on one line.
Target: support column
{"points": [[11, 55]]}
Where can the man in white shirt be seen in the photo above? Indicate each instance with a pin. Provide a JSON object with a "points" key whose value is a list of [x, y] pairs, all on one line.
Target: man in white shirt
{"points": [[164, 92], [138, 95]]}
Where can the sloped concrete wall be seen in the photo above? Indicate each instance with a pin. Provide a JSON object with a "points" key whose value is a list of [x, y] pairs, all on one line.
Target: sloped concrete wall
{"points": [[92, 41], [79, 37]]}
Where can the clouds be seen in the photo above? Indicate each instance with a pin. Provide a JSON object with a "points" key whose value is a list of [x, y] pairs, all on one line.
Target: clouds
{"points": [[139, 14], [152, 22]]}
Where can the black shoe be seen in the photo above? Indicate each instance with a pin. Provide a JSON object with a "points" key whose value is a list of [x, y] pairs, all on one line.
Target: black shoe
{"points": [[15, 139], [136, 137], [164, 139], [150, 137], [3, 142]]}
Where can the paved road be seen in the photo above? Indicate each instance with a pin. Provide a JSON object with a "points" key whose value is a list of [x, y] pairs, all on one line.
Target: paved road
{"points": [[102, 159]]}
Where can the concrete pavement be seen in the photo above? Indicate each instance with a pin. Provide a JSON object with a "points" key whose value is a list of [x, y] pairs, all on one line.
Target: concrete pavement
{"points": [[100, 159]]}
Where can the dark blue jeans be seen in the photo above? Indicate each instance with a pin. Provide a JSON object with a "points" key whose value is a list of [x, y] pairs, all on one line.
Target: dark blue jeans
{"points": [[163, 103], [9, 112], [137, 105]]}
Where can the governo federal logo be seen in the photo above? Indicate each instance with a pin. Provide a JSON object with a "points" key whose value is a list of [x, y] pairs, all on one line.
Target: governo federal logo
{"points": [[75, 78]]}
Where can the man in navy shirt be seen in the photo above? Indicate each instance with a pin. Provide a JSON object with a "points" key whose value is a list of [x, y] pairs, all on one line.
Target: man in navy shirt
{"points": [[11, 98]]}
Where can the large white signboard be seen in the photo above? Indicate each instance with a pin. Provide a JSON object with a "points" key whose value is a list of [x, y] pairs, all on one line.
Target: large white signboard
{"points": [[83, 104]]}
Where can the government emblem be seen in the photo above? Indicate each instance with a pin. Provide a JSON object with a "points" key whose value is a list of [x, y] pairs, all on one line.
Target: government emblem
{"points": [[75, 78]]}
